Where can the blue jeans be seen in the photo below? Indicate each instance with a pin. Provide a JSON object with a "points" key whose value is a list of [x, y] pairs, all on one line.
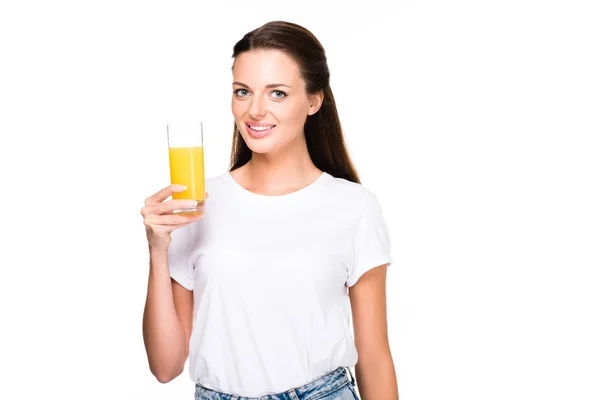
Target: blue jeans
{"points": [[333, 386]]}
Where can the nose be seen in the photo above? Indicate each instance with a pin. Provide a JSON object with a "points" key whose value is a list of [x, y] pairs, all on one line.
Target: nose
{"points": [[257, 108]]}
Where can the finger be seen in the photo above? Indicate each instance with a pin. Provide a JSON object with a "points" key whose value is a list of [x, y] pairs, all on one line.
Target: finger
{"points": [[158, 229], [172, 219], [167, 207], [162, 194]]}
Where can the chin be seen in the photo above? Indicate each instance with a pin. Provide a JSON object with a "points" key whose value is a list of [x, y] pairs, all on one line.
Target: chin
{"points": [[260, 148]]}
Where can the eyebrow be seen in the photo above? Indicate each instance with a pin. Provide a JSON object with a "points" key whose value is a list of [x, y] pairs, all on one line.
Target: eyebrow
{"points": [[269, 86]]}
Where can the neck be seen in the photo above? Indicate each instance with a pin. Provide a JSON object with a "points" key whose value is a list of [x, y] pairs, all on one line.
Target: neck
{"points": [[286, 171]]}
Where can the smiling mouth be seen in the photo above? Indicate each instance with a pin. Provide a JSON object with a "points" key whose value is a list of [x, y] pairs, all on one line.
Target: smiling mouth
{"points": [[259, 131]]}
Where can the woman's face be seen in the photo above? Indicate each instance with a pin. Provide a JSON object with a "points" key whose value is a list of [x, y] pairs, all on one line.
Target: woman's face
{"points": [[269, 101]]}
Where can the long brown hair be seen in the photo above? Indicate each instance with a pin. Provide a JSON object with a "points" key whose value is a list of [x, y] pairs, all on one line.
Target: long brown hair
{"points": [[323, 130]]}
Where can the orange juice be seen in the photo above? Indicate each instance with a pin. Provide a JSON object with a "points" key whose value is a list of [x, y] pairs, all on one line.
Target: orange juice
{"points": [[187, 168]]}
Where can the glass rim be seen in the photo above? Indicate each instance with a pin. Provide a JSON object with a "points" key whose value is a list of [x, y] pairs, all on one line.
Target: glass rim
{"points": [[185, 132]]}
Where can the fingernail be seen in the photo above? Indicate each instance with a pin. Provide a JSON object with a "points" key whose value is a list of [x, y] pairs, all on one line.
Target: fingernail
{"points": [[191, 203], [179, 187]]}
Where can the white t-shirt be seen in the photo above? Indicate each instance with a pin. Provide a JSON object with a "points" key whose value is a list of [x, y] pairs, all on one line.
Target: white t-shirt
{"points": [[270, 276]]}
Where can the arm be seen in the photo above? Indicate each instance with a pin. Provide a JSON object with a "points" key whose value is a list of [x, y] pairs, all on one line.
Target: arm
{"points": [[375, 372], [167, 323]]}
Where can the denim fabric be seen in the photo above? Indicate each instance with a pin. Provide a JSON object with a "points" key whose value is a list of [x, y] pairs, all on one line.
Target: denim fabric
{"points": [[333, 386]]}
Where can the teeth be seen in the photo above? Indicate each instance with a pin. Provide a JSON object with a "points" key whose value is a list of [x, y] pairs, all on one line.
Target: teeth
{"points": [[261, 128]]}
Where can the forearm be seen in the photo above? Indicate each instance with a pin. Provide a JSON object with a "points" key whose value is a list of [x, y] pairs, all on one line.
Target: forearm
{"points": [[164, 336], [376, 378]]}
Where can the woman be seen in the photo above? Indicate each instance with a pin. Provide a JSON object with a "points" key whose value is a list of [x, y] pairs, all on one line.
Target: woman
{"points": [[257, 287]]}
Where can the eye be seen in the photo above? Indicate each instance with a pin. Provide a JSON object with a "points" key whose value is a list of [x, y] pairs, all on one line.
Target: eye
{"points": [[279, 94], [240, 92]]}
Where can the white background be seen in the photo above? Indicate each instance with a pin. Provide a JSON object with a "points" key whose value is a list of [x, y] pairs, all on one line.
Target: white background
{"points": [[475, 123]]}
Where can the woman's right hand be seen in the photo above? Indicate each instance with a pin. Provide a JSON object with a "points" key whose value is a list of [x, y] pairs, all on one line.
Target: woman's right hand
{"points": [[160, 220]]}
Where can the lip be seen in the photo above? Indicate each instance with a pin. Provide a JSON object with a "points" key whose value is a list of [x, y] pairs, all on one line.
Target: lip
{"points": [[256, 134]]}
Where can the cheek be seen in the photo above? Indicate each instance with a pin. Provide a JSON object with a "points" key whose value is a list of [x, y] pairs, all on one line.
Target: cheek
{"points": [[237, 107], [293, 113]]}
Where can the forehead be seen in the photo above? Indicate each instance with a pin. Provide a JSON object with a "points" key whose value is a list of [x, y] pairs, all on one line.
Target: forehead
{"points": [[261, 67]]}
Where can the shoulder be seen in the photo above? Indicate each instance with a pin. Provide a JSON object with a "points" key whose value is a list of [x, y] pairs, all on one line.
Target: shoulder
{"points": [[217, 182], [347, 193]]}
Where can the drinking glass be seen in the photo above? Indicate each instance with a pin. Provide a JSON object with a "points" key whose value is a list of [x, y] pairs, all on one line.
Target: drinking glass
{"points": [[186, 160]]}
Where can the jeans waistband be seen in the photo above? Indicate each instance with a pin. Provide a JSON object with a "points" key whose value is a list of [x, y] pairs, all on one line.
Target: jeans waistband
{"points": [[315, 389]]}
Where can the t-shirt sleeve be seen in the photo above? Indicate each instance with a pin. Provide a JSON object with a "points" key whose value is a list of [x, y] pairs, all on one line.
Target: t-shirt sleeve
{"points": [[371, 244], [181, 266]]}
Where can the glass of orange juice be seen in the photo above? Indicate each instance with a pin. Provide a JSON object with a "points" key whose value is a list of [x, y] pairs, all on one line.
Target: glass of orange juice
{"points": [[186, 160]]}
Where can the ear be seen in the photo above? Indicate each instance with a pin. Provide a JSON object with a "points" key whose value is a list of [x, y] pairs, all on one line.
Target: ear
{"points": [[316, 100]]}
